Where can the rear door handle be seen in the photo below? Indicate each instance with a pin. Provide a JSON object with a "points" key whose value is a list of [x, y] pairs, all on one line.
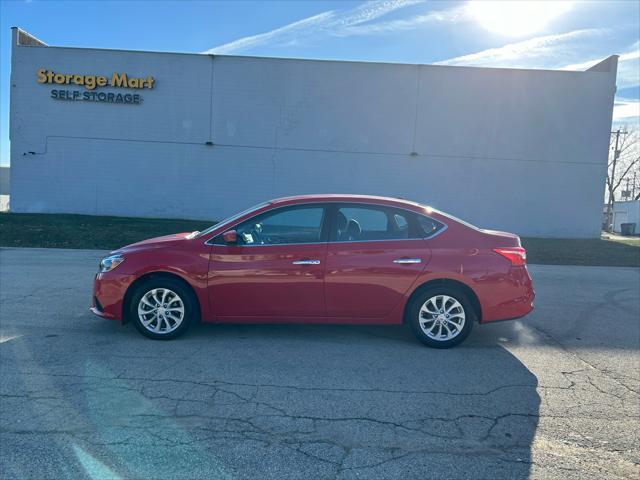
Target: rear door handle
{"points": [[407, 260], [306, 262]]}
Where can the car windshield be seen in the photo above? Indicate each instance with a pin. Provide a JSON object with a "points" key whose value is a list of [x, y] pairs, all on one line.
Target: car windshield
{"points": [[231, 219]]}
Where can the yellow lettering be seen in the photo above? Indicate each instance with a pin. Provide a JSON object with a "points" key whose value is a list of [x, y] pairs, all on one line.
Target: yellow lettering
{"points": [[119, 80], [90, 82]]}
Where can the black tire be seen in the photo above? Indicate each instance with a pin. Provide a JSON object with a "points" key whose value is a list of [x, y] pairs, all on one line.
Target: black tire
{"points": [[185, 295], [414, 315]]}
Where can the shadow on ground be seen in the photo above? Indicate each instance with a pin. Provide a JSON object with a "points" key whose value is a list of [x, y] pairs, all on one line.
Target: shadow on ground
{"points": [[81, 397], [264, 401]]}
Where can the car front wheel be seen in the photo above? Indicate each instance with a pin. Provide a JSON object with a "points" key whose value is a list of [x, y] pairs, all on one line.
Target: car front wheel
{"points": [[162, 308], [441, 317]]}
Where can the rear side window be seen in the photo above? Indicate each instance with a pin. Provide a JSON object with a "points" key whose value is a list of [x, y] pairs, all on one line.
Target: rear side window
{"points": [[369, 220], [362, 223], [428, 226]]}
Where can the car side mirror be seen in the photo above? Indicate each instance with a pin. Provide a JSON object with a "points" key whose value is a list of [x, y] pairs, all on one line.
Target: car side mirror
{"points": [[230, 236]]}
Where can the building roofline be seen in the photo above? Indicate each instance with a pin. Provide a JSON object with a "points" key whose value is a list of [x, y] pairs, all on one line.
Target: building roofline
{"points": [[17, 31], [327, 60]]}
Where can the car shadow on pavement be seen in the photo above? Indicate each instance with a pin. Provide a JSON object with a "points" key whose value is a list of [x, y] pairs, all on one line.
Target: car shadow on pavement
{"points": [[269, 401]]}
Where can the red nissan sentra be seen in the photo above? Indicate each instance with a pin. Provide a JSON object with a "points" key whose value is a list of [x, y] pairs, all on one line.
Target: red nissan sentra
{"points": [[321, 259]]}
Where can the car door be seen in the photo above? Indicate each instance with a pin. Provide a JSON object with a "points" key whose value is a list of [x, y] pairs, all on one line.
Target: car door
{"points": [[375, 254], [276, 269]]}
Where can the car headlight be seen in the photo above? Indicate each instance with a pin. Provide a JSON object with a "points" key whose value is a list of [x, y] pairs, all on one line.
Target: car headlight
{"points": [[109, 263]]}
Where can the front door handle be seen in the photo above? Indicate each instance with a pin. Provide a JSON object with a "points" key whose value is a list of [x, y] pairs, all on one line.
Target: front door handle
{"points": [[407, 260], [306, 262]]}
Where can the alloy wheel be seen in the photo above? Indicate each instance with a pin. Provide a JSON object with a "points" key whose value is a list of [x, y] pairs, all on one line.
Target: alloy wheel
{"points": [[441, 318], [161, 310]]}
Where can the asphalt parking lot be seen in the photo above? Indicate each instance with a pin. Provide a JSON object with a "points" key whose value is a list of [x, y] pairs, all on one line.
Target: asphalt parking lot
{"points": [[554, 395]]}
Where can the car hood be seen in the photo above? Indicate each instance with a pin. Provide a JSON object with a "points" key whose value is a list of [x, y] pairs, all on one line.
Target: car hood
{"points": [[157, 242]]}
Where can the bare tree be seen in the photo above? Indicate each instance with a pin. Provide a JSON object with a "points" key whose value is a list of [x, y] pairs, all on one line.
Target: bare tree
{"points": [[623, 173]]}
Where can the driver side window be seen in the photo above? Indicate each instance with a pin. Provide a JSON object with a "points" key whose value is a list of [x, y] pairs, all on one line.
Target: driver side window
{"points": [[286, 226]]}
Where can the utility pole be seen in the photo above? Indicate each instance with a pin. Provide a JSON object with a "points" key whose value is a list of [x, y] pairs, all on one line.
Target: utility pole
{"points": [[616, 154]]}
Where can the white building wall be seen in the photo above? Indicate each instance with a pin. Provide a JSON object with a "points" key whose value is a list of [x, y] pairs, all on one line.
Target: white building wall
{"points": [[518, 150], [626, 212]]}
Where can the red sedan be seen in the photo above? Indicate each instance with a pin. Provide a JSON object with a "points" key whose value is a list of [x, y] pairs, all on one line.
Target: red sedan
{"points": [[321, 259]]}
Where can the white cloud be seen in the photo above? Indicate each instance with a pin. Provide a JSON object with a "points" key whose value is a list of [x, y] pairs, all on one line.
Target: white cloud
{"points": [[625, 57], [628, 67], [288, 33], [331, 22], [559, 51], [539, 52], [364, 20], [515, 18], [624, 109], [451, 15]]}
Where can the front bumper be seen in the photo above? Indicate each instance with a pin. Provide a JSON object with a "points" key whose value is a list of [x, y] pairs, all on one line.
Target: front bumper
{"points": [[109, 289]]}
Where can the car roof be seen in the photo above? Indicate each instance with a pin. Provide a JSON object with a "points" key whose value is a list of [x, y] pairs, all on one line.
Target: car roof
{"points": [[346, 197]]}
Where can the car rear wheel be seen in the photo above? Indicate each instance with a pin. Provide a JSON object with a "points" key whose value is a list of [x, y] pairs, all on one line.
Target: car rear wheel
{"points": [[162, 308], [441, 317]]}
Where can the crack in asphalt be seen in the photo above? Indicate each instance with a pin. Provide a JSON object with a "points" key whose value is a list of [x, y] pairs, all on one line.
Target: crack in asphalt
{"points": [[315, 441], [121, 404], [568, 350], [213, 383]]}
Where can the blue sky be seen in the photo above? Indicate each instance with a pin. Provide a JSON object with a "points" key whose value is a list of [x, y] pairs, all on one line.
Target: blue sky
{"points": [[552, 35]]}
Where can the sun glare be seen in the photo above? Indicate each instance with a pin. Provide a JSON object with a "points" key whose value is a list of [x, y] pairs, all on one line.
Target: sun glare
{"points": [[516, 18]]}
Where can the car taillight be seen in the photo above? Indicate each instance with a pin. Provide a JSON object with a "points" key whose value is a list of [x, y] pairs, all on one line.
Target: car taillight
{"points": [[516, 255]]}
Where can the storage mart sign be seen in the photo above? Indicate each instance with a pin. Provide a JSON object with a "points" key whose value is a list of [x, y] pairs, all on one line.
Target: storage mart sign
{"points": [[91, 82]]}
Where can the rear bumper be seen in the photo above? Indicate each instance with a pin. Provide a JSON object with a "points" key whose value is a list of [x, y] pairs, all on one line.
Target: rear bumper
{"points": [[510, 298], [512, 310], [108, 294]]}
